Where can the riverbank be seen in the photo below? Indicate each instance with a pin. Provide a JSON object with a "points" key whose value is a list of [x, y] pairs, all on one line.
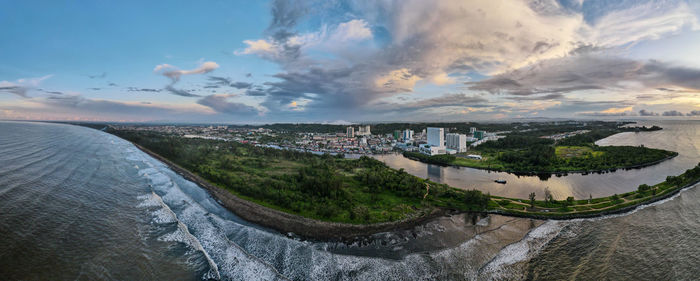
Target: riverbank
{"points": [[594, 214], [534, 173], [290, 223], [316, 229]]}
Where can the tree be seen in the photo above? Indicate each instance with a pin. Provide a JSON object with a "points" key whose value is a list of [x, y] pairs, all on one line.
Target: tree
{"points": [[532, 200], [570, 200], [643, 188], [548, 195]]}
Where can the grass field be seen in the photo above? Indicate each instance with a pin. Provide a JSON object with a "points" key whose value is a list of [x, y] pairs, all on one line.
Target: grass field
{"points": [[576, 151]]}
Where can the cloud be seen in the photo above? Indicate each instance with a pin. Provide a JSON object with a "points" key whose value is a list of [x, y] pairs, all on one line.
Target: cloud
{"points": [[174, 73], [221, 103], [224, 81], [603, 114], [590, 72], [180, 92], [76, 107], [672, 113], [21, 86], [461, 100], [256, 92], [241, 85], [135, 89], [386, 48], [103, 75], [644, 112]]}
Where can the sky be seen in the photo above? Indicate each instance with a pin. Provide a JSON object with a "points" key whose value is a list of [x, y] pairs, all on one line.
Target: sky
{"points": [[348, 61]]}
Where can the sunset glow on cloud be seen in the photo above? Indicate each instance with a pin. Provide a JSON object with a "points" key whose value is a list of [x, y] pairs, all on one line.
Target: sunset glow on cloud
{"points": [[317, 61]]}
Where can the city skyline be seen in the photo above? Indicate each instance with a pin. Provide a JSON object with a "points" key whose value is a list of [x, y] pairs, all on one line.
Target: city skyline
{"points": [[348, 61]]}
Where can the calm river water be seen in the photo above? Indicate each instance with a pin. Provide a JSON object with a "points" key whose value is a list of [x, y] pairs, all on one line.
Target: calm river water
{"points": [[77, 203]]}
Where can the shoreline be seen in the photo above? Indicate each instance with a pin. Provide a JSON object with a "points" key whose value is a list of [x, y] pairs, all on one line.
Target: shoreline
{"points": [[596, 214], [287, 223], [536, 173], [290, 223]]}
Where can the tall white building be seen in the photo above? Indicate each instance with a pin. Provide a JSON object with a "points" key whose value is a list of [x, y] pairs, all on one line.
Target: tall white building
{"points": [[472, 130], [457, 142], [436, 137], [407, 135], [350, 132], [363, 131]]}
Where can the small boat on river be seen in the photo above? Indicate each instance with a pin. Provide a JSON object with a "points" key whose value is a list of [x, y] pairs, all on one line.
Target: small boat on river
{"points": [[501, 181]]}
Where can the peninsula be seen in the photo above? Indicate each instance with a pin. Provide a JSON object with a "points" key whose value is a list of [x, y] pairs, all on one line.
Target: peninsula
{"points": [[325, 196]]}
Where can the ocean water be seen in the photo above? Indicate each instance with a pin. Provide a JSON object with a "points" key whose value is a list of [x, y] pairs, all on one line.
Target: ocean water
{"points": [[77, 203]]}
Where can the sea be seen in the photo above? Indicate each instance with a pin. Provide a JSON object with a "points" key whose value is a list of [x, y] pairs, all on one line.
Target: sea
{"points": [[80, 204]]}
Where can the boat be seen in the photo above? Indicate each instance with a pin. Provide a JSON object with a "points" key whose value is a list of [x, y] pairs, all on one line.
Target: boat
{"points": [[501, 181]]}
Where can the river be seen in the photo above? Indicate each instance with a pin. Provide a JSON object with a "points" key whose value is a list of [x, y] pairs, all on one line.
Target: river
{"points": [[78, 203], [679, 136]]}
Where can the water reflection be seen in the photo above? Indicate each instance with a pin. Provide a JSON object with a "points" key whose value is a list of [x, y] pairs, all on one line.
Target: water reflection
{"points": [[435, 173], [679, 136]]}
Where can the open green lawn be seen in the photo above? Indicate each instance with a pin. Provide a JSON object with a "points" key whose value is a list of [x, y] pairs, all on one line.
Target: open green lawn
{"points": [[563, 151]]}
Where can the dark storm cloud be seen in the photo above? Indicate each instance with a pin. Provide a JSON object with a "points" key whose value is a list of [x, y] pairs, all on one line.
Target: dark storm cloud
{"points": [[644, 112], [221, 103]]}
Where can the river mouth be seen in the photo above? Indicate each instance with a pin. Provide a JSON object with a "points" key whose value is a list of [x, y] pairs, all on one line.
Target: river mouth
{"points": [[84, 204], [437, 234]]}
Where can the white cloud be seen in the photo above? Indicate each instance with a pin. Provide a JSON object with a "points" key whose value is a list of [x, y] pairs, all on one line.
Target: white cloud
{"points": [[353, 30], [174, 73], [21, 86]]}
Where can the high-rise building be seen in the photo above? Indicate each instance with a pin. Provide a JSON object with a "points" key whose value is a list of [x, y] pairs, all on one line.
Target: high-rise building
{"points": [[397, 134], [350, 132], [436, 136], [479, 134], [363, 131], [457, 142], [407, 135], [472, 130]]}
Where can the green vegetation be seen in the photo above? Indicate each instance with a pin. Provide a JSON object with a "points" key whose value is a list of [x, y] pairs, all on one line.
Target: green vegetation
{"points": [[322, 187], [529, 154], [364, 190], [571, 208]]}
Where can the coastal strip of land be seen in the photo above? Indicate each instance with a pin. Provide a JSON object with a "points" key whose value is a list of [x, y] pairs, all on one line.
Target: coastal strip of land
{"points": [[329, 197], [290, 223]]}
